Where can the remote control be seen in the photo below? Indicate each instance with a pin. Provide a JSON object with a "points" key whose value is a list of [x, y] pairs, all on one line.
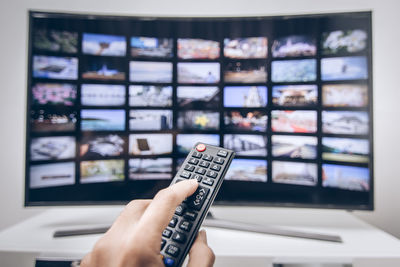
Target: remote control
{"points": [[208, 164]]}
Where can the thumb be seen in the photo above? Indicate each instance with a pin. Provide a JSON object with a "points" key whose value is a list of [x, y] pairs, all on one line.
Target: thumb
{"points": [[201, 255]]}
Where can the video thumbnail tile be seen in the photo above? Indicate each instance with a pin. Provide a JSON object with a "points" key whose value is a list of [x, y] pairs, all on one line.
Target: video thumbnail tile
{"points": [[54, 94], [150, 144], [103, 44], [102, 120], [253, 71], [102, 95], [151, 47], [345, 122], [198, 96], [197, 49], [295, 95], [55, 67], [150, 71], [103, 69], [303, 147], [52, 148], [294, 121], [297, 173], [340, 41], [345, 177], [150, 169], [145, 119], [198, 72], [345, 95], [52, 121], [198, 120], [246, 144], [345, 149], [243, 48], [249, 170], [150, 96], [51, 175], [302, 70], [246, 120], [344, 68], [185, 142], [294, 46], [245, 96], [102, 145], [100, 171], [55, 41]]}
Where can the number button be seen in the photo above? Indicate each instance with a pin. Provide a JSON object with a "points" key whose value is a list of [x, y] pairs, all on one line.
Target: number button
{"points": [[193, 161], [207, 157], [189, 167], [204, 164], [212, 174], [219, 161], [197, 177], [197, 155], [200, 171], [215, 167]]}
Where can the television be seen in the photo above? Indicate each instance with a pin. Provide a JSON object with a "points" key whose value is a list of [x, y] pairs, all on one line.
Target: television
{"points": [[115, 103]]}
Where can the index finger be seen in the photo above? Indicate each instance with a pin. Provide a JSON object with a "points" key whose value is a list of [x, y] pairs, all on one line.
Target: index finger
{"points": [[162, 208]]}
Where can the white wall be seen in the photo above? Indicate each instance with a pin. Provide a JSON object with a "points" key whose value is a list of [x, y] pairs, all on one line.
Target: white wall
{"points": [[386, 19]]}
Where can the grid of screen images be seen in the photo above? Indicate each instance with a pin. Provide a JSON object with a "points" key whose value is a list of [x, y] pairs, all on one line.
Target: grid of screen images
{"points": [[121, 108]]}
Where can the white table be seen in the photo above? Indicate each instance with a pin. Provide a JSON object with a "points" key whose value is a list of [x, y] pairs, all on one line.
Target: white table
{"points": [[363, 244]]}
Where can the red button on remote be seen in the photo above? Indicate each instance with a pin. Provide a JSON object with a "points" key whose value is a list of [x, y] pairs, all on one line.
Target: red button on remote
{"points": [[201, 147]]}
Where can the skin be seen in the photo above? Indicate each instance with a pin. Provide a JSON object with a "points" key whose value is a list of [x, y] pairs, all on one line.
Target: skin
{"points": [[134, 238]]}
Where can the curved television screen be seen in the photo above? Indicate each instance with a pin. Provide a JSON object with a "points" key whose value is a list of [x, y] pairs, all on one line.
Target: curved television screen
{"points": [[115, 104]]}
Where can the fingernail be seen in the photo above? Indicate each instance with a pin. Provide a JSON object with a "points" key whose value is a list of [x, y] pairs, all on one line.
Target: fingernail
{"points": [[193, 181]]}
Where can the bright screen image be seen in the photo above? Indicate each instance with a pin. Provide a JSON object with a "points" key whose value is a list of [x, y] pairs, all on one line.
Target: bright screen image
{"points": [[115, 104]]}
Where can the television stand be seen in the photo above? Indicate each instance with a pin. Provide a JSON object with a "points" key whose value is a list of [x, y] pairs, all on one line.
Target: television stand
{"points": [[212, 221]]}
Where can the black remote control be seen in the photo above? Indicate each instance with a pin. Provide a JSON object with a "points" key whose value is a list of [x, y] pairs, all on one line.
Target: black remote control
{"points": [[208, 164]]}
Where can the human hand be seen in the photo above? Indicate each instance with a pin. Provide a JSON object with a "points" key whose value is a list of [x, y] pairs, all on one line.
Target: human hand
{"points": [[135, 237]]}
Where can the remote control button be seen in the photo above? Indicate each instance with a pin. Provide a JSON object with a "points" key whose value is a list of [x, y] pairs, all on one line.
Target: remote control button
{"points": [[185, 174], [196, 154], [204, 164], [222, 153], [200, 171], [197, 177], [185, 225], [201, 147], [168, 262], [190, 215], [163, 242], [219, 161], [167, 233], [173, 222], [212, 174], [215, 167], [207, 157], [193, 161], [179, 237], [189, 167], [172, 250], [196, 200], [208, 181], [179, 210]]}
